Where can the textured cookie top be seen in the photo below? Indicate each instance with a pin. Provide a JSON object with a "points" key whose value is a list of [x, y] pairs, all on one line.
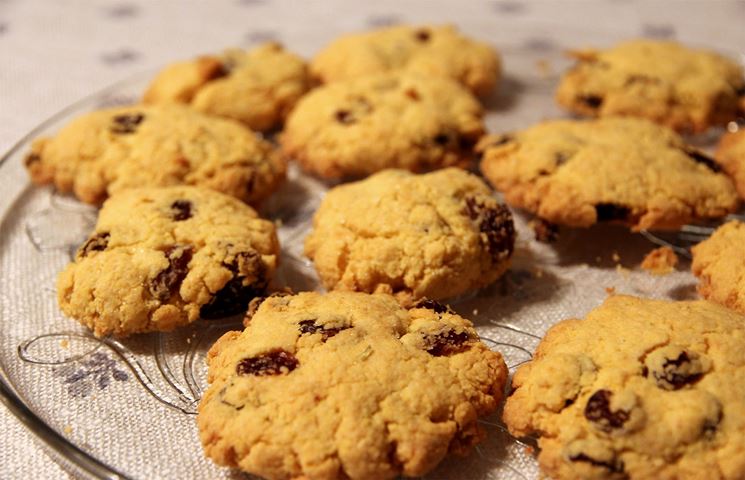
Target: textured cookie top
{"points": [[624, 170], [640, 389], [428, 49], [160, 257], [106, 151], [257, 87], [399, 120], [435, 235], [680, 87], [731, 156], [346, 385], [719, 264]]}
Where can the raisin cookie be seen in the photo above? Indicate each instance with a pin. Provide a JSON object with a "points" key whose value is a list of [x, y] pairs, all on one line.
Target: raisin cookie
{"points": [[731, 156], [393, 120], [435, 235], [347, 386], [429, 50], [685, 89], [161, 257], [625, 170], [719, 264], [257, 87], [104, 152], [640, 389]]}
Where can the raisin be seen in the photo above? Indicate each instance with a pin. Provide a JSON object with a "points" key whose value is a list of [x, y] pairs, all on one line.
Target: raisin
{"points": [[126, 123], [275, 362], [309, 327], [422, 35], [31, 158], [446, 343], [442, 139], [168, 281], [181, 210], [672, 376], [700, 157], [344, 116], [495, 223], [598, 411], [432, 305], [592, 101], [711, 426], [96, 243], [614, 467], [234, 297], [606, 212]]}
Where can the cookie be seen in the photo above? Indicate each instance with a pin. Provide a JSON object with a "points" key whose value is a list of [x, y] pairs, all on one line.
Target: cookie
{"points": [[346, 386], [107, 151], [640, 389], [257, 87], [161, 257], [624, 170], [719, 264], [684, 88], [393, 120], [730, 155], [435, 235], [660, 261], [428, 50]]}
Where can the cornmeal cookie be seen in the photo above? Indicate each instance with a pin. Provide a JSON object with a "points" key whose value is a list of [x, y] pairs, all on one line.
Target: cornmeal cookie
{"points": [[731, 156], [428, 49], [435, 235], [161, 257], [640, 389], [395, 120], [683, 88], [719, 264], [347, 386], [625, 170], [257, 87], [107, 151]]}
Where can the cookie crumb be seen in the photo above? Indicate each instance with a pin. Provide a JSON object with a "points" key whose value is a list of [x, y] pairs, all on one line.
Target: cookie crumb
{"points": [[67, 429], [64, 343], [623, 270], [610, 290], [660, 261], [616, 257], [544, 231], [475, 311]]}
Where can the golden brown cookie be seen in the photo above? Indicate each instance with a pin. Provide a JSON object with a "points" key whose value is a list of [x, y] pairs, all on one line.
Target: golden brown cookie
{"points": [[618, 169], [730, 155], [428, 50], [435, 235], [684, 88], [357, 127], [161, 257], [640, 389], [257, 87], [347, 386], [107, 151], [719, 264]]}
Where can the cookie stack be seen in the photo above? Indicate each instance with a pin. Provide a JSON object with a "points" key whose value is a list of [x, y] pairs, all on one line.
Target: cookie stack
{"points": [[377, 378]]}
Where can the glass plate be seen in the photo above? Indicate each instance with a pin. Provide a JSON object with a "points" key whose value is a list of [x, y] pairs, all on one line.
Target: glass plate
{"points": [[127, 408]]}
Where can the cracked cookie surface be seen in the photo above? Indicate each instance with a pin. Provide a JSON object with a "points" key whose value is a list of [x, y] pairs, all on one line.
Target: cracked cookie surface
{"points": [[257, 87], [622, 170], [426, 49], [346, 386], [435, 235], [396, 120], [161, 257], [104, 152], [719, 264], [683, 88], [640, 389]]}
